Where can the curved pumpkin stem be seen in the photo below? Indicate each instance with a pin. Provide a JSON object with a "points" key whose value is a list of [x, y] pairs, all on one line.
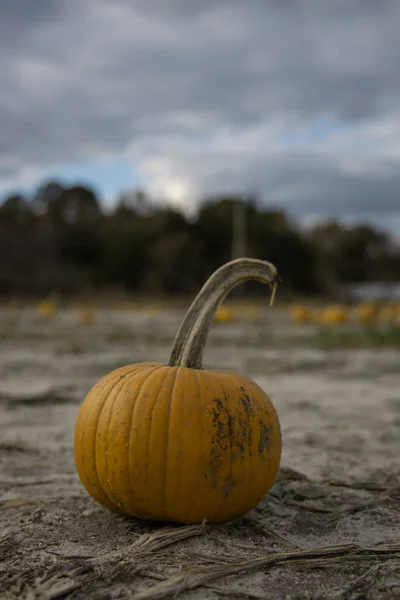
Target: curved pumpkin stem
{"points": [[188, 347]]}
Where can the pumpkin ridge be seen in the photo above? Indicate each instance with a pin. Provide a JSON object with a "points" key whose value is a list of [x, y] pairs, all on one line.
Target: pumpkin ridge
{"points": [[255, 403], [168, 435], [131, 420], [225, 498], [165, 379], [250, 395], [177, 489], [251, 383], [153, 369], [151, 420], [130, 376], [115, 381], [247, 384], [84, 465], [237, 393], [198, 398]]}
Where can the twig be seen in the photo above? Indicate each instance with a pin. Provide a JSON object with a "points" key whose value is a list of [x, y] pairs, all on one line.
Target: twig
{"points": [[145, 544], [12, 483], [19, 502], [231, 592], [310, 506], [369, 486], [350, 510], [148, 543], [48, 588], [153, 574]]}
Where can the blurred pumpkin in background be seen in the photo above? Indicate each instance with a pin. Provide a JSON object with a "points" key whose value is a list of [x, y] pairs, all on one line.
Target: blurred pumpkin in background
{"points": [[300, 314], [224, 314], [333, 314], [365, 313], [47, 309]]}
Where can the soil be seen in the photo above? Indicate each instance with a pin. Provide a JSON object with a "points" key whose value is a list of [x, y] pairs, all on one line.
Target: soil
{"points": [[329, 528]]}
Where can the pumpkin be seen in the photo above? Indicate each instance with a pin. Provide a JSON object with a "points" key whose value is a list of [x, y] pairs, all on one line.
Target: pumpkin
{"points": [[300, 314], [224, 314], [177, 442], [365, 313], [333, 314], [47, 309]]}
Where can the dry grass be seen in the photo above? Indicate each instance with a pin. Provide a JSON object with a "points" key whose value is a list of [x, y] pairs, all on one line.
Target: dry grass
{"points": [[138, 558], [191, 577]]}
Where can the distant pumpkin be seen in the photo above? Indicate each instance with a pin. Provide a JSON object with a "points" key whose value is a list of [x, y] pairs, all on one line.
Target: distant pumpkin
{"points": [[365, 313], [300, 314], [176, 442], [224, 314], [47, 309], [333, 314]]}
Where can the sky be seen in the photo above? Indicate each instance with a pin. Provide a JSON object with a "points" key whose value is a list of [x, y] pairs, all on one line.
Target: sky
{"points": [[297, 102]]}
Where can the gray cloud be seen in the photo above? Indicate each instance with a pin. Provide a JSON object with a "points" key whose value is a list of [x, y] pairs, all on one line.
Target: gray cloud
{"points": [[191, 91]]}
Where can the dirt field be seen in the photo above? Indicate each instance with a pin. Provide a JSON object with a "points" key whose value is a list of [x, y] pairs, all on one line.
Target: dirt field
{"points": [[329, 529]]}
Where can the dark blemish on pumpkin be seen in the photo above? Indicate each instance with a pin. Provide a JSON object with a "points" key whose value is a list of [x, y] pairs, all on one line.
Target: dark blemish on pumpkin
{"points": [[226, 489], [218, 408], [232, 434], [221, 433], [247, 402], [266, 433]]}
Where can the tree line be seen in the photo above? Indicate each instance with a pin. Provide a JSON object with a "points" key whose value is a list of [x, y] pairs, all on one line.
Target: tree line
{"points": [[62, 239]]}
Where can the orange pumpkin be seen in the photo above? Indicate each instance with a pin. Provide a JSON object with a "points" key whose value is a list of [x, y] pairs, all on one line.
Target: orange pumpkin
{"points": [[47, 309], [224, 314], [176, 442], [365, 313], [300, 314], [333, 314]]}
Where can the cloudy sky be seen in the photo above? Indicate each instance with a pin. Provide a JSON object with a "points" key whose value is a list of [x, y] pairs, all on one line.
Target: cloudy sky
{"points": [[296, 101]]}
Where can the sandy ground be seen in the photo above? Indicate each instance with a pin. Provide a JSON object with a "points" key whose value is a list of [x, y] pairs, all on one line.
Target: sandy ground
{"points": [[329, 529]]}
